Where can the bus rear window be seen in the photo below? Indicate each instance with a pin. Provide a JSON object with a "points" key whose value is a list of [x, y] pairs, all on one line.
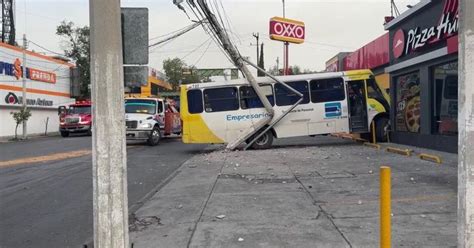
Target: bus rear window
{"points": [[221, 99], [286, 97], [195, 105], [327, 90]]}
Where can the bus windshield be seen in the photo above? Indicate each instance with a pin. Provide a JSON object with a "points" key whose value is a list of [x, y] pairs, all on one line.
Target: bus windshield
{"points": [[140, 107], [79, 110]]}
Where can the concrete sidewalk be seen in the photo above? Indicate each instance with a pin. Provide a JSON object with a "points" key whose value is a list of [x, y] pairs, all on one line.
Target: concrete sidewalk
{"points": [[310, 192]]}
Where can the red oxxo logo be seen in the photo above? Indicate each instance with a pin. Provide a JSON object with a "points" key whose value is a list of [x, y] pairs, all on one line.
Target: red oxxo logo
{"points": [[288, 30]]}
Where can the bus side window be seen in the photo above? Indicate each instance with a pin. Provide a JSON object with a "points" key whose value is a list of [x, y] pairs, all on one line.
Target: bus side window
{"points": [[286, 97], [327, 90], [221, 99], [195, 105], [249, 99]]}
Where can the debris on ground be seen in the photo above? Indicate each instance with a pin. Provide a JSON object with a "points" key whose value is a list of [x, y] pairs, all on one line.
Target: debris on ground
{"points": [[220, 217], [140, 224]]}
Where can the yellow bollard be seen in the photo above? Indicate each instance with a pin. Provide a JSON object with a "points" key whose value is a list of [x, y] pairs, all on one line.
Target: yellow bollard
{"points": [[385, 207]]}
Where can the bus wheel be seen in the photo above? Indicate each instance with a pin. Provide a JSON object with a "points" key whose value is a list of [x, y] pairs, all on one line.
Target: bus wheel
{"points": [[264, 142], [382, 126], [155, 137], [64, 134]]}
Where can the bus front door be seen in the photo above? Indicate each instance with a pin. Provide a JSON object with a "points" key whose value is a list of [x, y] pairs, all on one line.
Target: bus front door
{"points": [[358, 121]]}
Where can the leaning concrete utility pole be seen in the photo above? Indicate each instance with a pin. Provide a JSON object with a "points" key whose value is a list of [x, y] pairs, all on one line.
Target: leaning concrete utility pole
{"points": [[239, 63], [466, 126], [109, 154]]}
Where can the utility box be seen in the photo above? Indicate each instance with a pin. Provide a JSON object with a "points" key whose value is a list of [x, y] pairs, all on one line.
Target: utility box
{"points": [[135, 36], [135, 46]]}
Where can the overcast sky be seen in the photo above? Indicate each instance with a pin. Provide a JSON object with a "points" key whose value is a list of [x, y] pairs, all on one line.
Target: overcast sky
{"points": [[332, 26]]}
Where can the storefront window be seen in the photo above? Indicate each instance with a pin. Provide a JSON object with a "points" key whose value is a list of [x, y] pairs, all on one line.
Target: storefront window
{"points": [[408, 103], [445, 99]]}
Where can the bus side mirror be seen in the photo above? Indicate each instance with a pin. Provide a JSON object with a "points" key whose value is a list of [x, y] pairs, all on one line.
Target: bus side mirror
{"points": [[61, 110]]}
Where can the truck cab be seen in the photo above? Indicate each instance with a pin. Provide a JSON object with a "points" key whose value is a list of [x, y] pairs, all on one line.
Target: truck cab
{"points": [[145, 119], [77, 118]]}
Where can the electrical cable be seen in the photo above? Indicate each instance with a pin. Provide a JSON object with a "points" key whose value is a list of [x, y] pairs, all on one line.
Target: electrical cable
{"points": [[46, 49], [170, 33], [192, 51], [202, 55], [210, 33], [229, 23]]}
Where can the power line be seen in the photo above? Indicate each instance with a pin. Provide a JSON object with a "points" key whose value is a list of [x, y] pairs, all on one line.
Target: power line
{"points": [[202, 55], [46, 49], [189, 28], [207, 29], [192, 51], [229, 23], [170, 33]]}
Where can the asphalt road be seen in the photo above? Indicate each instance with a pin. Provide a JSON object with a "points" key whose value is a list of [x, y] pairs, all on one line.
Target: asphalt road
{"points": [[49, 204]]}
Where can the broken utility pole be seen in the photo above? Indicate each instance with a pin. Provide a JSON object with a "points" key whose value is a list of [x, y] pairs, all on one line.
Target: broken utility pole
{"points": [[266, 123], [239, 63], [109, 154], [466, 126]]}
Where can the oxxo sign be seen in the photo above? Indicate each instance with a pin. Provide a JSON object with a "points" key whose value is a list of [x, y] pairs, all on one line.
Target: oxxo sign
{"points": [[287, 30]]}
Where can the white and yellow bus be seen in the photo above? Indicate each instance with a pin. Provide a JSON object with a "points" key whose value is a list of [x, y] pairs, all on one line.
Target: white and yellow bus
{"points": [[333, 102]]}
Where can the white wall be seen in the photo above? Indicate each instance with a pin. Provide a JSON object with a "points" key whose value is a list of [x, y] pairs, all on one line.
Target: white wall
{"points": [[36, 124]]}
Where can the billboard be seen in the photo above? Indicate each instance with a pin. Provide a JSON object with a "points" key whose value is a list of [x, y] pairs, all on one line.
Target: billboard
{"points": [[287, 30]]}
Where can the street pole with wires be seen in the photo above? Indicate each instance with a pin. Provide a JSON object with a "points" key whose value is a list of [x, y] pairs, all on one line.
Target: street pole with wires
{"points": [[286, 46], [25, 134], [257, 36], [240, 63]]}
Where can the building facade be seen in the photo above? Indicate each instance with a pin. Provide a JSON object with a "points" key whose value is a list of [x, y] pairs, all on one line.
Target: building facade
{"points": [[424, 75], [417, 62], [48, 85]]}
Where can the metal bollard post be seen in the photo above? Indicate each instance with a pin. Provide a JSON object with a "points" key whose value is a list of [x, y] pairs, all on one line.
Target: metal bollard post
{"points": [[385, 207]]}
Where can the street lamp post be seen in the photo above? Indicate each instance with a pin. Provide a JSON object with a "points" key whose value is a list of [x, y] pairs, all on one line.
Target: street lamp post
{"points": [[285, 48]]}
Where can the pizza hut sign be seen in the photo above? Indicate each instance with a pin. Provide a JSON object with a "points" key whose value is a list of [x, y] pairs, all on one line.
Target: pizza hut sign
{"points": [[287, 30], [417, 38]]}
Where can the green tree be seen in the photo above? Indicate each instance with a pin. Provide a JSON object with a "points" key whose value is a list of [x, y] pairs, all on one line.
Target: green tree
{"points": [[295, 70], [178, 72], [76, 47], [20, 117]]}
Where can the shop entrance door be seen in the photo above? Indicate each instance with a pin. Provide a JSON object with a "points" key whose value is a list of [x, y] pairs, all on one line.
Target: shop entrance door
{"points": [[358, 121]]}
